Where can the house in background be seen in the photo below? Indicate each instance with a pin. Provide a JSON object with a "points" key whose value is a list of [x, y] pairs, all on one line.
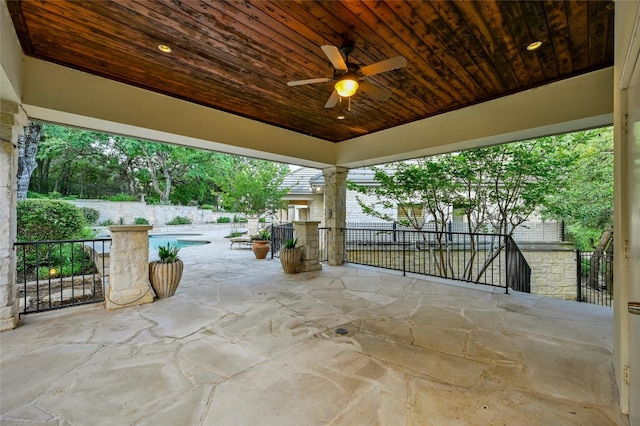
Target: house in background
{"points": [[305, 201], [306, 196]]}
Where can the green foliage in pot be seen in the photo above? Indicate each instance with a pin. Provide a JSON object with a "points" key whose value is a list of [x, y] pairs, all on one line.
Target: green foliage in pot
{"points": [[168, 254], [290, 243], [263, 235]]}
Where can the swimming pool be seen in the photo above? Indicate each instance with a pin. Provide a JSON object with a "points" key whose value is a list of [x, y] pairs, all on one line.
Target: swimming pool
{"points": [[176, 240]]}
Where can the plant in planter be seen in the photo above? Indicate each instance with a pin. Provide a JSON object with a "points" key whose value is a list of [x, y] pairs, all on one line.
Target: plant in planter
{"points": [[165, 274], [290, 256], [261, 244]]}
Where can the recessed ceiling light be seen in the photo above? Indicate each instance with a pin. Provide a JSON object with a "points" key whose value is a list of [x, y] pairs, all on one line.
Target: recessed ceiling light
{"points": [[164, 48], [534, 45], [340, 117]]}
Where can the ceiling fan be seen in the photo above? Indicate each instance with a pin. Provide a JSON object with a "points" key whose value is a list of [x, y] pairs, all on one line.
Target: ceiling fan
{"points": [[350, 77]]}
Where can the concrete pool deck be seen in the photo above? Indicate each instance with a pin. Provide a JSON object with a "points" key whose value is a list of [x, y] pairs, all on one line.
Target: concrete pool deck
{"points": [[242, 343]]}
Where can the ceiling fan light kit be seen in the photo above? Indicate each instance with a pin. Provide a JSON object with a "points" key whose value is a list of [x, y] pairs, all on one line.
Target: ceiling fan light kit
{"points": [[350, 76], [347, 86]]}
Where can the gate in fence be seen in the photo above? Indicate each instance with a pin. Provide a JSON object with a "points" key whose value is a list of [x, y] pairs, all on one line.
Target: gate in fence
{"points": [[279, 235], [595, 277], [59, 274]]}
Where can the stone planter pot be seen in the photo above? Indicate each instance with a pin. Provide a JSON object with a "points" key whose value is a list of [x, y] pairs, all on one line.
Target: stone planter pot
{"points": [[260, 248], [290, 259], [165, 277]]}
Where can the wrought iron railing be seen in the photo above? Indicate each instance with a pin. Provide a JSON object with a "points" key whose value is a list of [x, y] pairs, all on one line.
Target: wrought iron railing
{"points": [[531, 230], [279, 235], [489, 259], [57, 274], [595, 277], [323, 255]]}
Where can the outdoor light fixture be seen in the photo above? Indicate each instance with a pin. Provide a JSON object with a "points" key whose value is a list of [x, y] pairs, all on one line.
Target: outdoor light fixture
{"points": [[534, 45], [347, 85], [164, 48]]}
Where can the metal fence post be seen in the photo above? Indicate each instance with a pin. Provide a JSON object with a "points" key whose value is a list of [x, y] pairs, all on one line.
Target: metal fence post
{"points": [[579, 276], [404, 256], [272, 239], [507, 260]]}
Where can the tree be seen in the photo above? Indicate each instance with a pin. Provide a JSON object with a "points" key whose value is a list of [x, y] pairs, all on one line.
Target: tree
{"points": [[253, 186], [500, 186], [585, 201], [74, 162], [27, 150]]}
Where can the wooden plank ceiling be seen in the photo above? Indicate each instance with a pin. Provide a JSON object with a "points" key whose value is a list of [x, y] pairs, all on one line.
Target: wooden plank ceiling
{"points": [[237, 56]]}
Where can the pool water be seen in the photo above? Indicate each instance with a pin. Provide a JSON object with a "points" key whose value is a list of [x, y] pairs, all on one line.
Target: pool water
{"points": [[176, 240]]}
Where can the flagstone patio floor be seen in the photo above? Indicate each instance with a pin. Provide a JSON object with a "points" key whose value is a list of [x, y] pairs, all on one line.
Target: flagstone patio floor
{"points": [[242, 343]]}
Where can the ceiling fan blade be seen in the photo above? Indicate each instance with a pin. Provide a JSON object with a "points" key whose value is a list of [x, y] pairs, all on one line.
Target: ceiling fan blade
{"points": [[309, 81], [334, 55], [333, 100], [374, 91], [382, 66]]}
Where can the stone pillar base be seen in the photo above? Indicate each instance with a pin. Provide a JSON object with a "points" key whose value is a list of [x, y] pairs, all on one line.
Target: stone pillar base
{"points": [[307, 235], [9, 323], [129, 267]]}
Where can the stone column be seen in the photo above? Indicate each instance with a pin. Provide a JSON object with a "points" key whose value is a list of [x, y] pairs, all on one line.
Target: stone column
{"points": [[253, 225], [12, 122], [129, 267], [308, 240], [335, 211]]}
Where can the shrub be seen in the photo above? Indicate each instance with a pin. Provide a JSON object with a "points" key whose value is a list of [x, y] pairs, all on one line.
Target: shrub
{"points": [[91, 216], [55, 261], [207, 207], [122, 197], [107, 222], [55, 194], [262, 220], [224, 219], [237, 219], [31, 194], [140, 221], [42, 220], [179, 220]]}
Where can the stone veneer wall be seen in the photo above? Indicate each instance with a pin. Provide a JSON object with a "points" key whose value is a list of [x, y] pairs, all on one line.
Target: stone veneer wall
{"points": [[12, 122], [156, 214], [553, 269], [335, 195]]}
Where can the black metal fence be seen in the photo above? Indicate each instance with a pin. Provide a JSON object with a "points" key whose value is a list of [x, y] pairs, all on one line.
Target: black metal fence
{"points": [[58, 274], [595, 277], [489, 259], [279, 235], [323, 255], [527, 231]]}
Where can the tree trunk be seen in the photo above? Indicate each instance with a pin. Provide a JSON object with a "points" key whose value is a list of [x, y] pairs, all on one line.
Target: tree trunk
{"points": [[594, 263], [27, 150], [161, 160]]}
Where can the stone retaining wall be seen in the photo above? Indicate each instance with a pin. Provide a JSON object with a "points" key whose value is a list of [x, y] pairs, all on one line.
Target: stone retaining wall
{"points": [[156, 214], [553, 269]]}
